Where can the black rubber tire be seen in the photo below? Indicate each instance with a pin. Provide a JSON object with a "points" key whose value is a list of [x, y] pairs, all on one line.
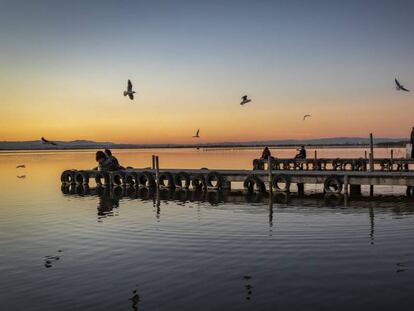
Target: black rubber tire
{"points": [[145, 179], [214, 176], [81, 178], [198, 182], [67, 177], [117, 179], [281, 178], [166, 176], [130, 179], [254, 184], [182, 180], [332, 184]]}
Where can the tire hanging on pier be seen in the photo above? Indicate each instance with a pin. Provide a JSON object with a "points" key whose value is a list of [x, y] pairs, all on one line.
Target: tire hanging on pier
{"points": [[198, 182], [130, 179], [182, 180], [68, 177], [253, 184], [214, 180], [81, 178], [166, 180], [279, 180], [117, 178], [332, 184], [146, 179]]}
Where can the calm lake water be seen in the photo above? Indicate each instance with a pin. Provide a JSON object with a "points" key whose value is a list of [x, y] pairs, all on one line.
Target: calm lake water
{"points": [[81, 250]]}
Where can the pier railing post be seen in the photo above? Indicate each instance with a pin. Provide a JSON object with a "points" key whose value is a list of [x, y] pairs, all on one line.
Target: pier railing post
{"points": [[371, 156], [371, 161], [157, 170], [269, 169]]}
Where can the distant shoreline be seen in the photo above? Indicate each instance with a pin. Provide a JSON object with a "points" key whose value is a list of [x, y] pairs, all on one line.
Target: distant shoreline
{"points": [[213, 147]]}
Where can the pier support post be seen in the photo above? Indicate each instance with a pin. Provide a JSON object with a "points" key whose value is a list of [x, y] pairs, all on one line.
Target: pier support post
{"points": [[371, 190], [346, 183], [269, 169], [301, 188], [371, 155]]}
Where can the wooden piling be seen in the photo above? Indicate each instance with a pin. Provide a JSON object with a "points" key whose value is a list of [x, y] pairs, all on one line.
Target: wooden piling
{"points": [[346, 184], [153, 162], [371, 155], [157, 170], [269, 169], [316, 154]]}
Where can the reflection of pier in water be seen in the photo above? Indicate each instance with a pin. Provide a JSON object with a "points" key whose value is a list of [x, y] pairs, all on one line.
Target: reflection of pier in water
{"points": [[110, 197]]}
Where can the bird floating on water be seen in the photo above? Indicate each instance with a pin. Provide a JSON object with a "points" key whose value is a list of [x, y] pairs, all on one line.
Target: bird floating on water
{"points": [[399, 86], [45, 141], [306, 116], [197, 134], [21, 166], [129, 91], [245, 100]]}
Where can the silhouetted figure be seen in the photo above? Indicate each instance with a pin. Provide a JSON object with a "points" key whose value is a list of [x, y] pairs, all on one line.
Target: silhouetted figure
{"points": [[114, 161], [266, 153], [412, 142], [301, 154], [105, 163]]}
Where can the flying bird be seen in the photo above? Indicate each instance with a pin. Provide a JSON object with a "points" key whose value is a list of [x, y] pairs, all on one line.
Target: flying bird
{"points": [[45, 141], [21, 176], [129, 91], [306, 116], [21, 166], [245, 100], [399, 86], [197, 134]]}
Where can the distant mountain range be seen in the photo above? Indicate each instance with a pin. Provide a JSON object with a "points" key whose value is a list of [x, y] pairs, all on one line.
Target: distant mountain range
{"points": [[87, 144]]}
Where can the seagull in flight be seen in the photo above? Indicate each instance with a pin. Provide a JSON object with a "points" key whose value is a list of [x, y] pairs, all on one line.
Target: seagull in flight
{"points": [[399, 86], [245, 100], [45, 141], [21, 166], [197, 134], [129, 91], [306, 116], [21, 176]]}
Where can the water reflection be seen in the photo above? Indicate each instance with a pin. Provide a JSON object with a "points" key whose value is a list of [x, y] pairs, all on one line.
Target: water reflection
{"points": [[109, 201]]}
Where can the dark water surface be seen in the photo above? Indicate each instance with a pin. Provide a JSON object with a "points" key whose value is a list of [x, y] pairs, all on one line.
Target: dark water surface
{"points": [[83, 250]]}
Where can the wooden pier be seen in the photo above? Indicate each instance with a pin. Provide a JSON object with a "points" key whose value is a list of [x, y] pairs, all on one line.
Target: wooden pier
{"points": [[336, 176]]}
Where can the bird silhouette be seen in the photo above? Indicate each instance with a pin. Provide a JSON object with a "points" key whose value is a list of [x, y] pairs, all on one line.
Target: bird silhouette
{"points": [[197, 134], [21, 166], [306, 116], [399, 86], [245, 100], [21, 176], [129, 91], [45, 141]]}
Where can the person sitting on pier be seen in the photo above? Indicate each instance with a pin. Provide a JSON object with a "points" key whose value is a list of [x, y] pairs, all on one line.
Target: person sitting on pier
{"points": [[266, 153], [114, 160], [105, 163], [301, 154]]}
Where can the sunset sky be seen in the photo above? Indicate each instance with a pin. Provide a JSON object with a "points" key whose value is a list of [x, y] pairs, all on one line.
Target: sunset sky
{"points": [[64, 66]]}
